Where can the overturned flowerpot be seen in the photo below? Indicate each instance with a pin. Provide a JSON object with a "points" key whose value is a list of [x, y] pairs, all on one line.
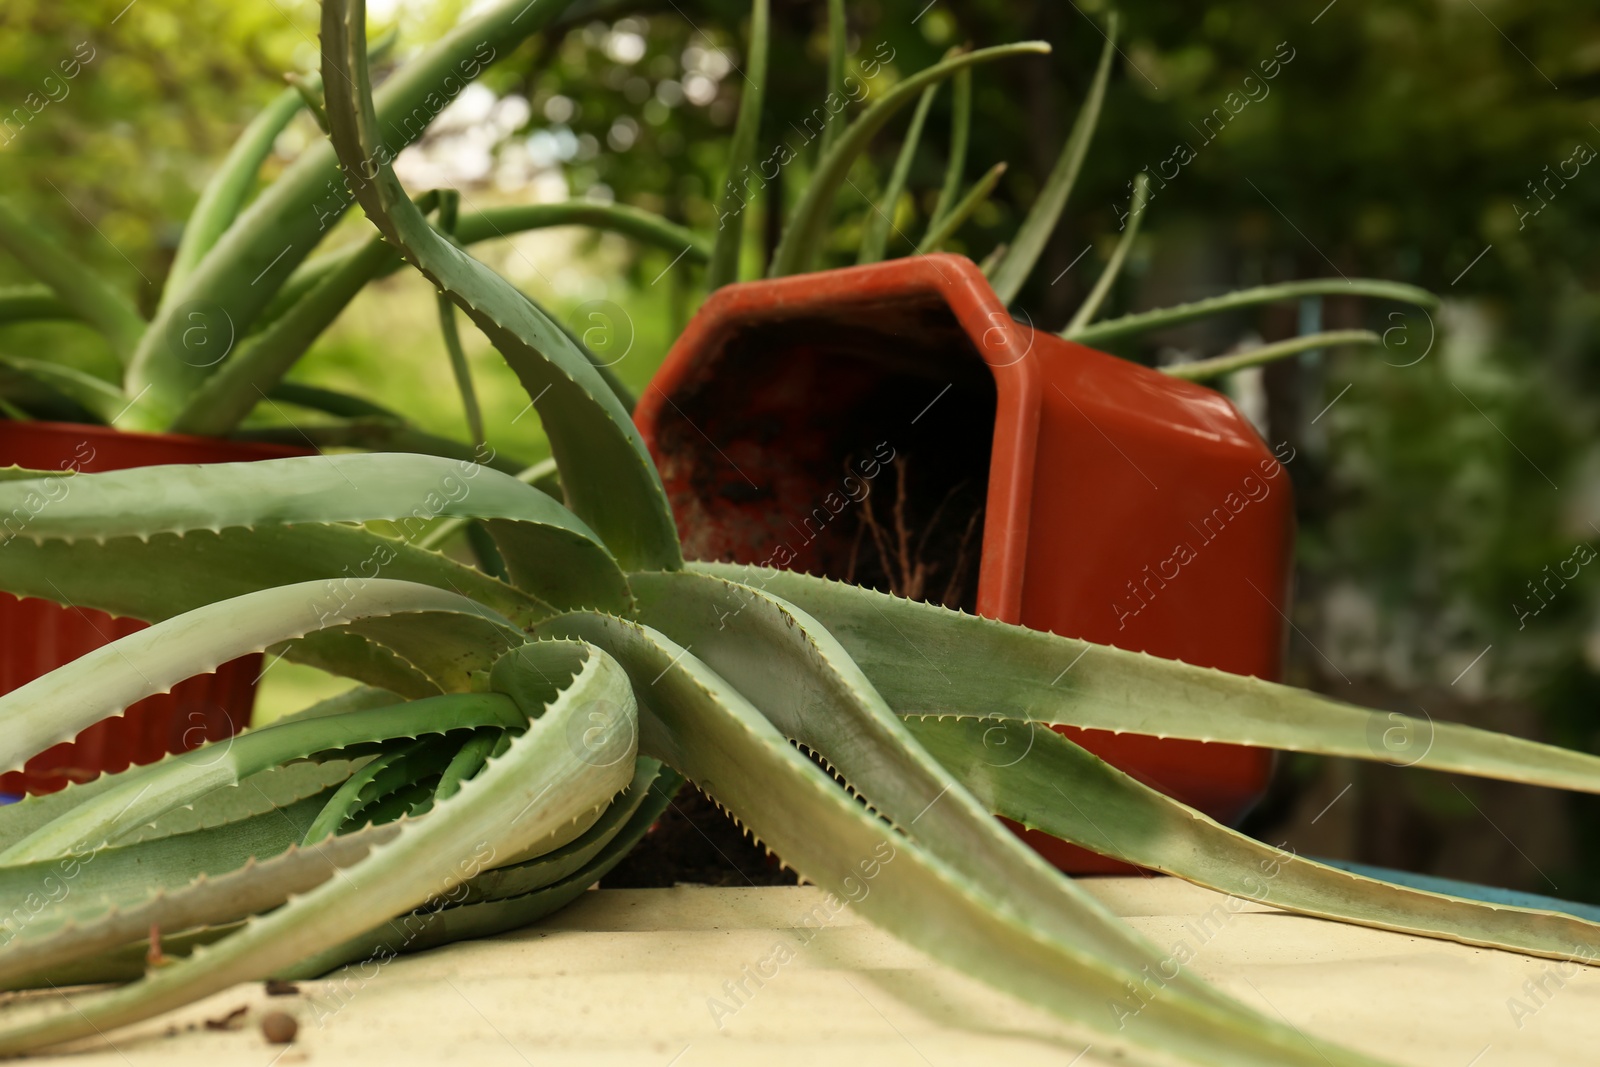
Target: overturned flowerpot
{"points": [[42, 635], [893, 426]]}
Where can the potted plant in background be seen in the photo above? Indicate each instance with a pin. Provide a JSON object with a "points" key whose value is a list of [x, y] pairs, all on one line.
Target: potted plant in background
{"points": [[517, 737], [893, 425]]}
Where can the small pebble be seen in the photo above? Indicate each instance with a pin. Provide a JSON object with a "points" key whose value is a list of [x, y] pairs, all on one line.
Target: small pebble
{"points": [[277, 987], [279, 1029]]}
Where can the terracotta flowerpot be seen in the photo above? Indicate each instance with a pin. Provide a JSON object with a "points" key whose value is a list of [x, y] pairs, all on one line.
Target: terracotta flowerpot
{"points": [[40, 635], [1060, 488]]}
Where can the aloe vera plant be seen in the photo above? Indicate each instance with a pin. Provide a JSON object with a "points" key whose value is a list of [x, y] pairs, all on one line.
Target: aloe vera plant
{"points": [[513, 738]]}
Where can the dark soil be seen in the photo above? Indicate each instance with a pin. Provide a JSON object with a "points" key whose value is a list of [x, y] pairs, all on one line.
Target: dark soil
{"points": [[695, 843]]}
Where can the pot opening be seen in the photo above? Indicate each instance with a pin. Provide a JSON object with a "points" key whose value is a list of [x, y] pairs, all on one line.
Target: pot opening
{"points": [[854, 445]]}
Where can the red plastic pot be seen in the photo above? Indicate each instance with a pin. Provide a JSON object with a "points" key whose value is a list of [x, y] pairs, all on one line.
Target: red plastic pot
{"points": [[1118, 504], [40, 635]]}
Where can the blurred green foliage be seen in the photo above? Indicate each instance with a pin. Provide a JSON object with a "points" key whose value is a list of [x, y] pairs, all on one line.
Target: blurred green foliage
{"points": [[1420, 140]]}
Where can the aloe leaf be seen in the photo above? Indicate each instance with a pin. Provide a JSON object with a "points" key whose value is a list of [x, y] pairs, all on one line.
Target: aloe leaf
{"points": [[648, 794], [803, 236], [1206, 369], [550, 552], [491, 907], [413, 655], [381, 775], [27, 397], [75, 285], [742, 148], [696, 722], [94, 394], [1039, 226], [358, 698], [542, 476], [991, 262], [539, 786], [838, 43], [468, 760], [278, 788], [1037, 777], [805, 684], [75, 888], [875, 236], [954, 219], [502, 221], [33, 303], [1161, 318], [1477, 891], [410, 799], [228, 897], [126, 963], [220, 402], [239, 275], [448, 651], [151, 791], [356, 656], [956, 166], [461, 370], [167, 575], [274, 789], [225, 194], [1102, 286], [449, 210], [104, 682], [382, 434], [330, 401], [613, 486], [1064, 681]]}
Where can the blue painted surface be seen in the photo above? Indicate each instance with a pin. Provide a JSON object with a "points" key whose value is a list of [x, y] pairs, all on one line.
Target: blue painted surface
{"points": [[5, 799], [1470, 890]]}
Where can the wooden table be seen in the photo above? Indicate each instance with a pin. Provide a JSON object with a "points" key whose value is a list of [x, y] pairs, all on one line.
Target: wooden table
{"points": [[649, 977]]}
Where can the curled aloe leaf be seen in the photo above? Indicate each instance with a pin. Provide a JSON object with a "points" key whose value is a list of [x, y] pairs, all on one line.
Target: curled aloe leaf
{"points": [[146, 793], [536, 789], [508, 898]]}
